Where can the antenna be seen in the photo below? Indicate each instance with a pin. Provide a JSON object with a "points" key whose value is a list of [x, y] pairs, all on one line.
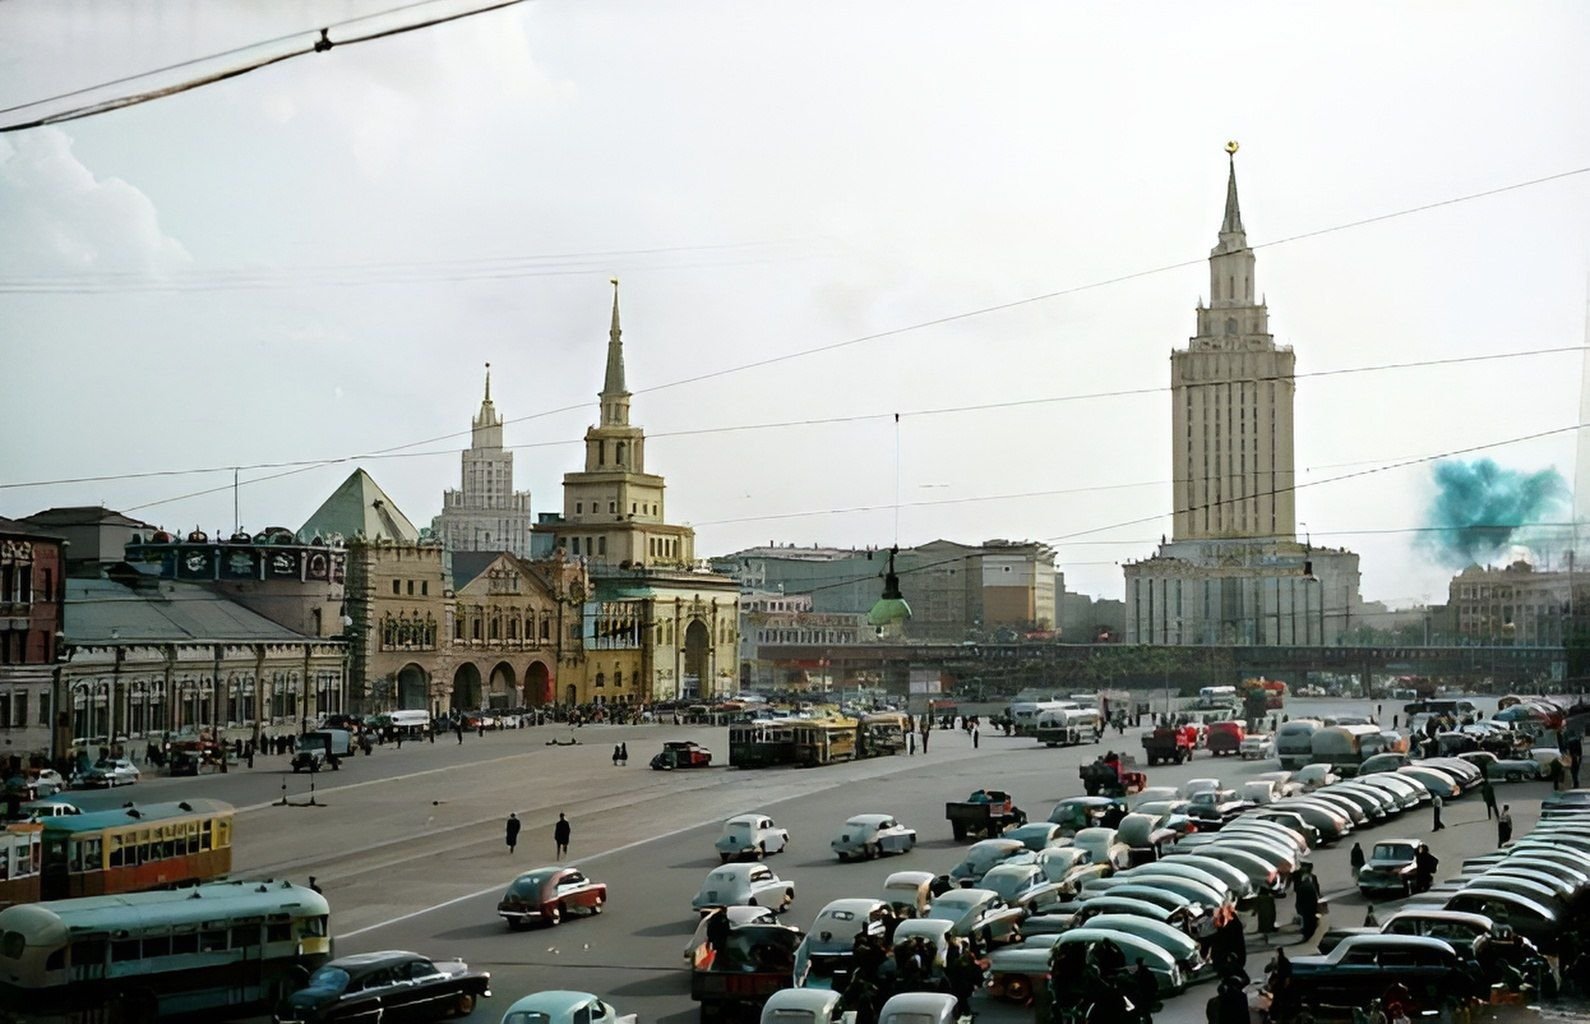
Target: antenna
{"points": [[237, 518]]}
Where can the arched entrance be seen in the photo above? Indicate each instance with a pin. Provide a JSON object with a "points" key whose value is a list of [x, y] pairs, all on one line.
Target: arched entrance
{"points": [[413, 688], [502, 688], [466, 688], [572, 695], [698, 645], [537, 684]]}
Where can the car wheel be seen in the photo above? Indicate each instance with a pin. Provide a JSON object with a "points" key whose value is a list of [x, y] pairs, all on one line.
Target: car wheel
{"points": [[843, 857], [463, 1004], [555, 914], [873, 851], [789, 897], [723, 858], [761, 851]]}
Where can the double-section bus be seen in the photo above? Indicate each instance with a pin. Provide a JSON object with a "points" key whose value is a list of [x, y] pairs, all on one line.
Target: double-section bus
{"points": [[213, 952], [134, 848], [820, 741]]}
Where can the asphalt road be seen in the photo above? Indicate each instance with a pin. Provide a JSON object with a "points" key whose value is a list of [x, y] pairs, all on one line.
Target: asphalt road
{"points": [[408, 844]]}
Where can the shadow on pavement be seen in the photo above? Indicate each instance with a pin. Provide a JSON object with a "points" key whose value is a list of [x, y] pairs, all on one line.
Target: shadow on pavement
{"points": [[673, 983], [667, 928], [476, 931]]}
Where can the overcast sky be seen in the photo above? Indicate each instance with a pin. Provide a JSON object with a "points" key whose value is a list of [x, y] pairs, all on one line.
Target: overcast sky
{"points": [[773, 178]]}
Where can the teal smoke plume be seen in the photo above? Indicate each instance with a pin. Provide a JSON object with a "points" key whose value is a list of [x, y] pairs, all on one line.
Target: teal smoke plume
{"points": [[1481, 509]]}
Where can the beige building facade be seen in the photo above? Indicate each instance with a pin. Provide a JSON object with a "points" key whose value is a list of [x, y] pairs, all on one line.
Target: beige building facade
{"points": [[1517, 605]]}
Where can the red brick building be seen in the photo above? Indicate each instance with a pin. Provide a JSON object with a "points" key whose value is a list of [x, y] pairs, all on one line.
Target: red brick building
{"points": [[31, 618]]}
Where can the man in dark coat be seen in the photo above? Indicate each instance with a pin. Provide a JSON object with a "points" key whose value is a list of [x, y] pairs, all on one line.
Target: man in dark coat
{"points": [[560, 835], [513, 832], [1306, 889]]}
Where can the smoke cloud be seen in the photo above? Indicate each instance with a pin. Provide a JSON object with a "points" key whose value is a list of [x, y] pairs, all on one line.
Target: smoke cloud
{"points": [[1481, 509]]}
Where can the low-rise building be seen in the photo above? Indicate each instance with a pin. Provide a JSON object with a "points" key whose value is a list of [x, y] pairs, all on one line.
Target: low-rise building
{"points": [[1518, 605], [31, 620]]}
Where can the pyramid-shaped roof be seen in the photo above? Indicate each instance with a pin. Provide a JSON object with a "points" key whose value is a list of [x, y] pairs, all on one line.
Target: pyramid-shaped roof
{"points": [[360, 508]]}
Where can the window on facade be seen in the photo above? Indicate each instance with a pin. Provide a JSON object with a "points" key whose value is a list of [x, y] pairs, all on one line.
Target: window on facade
{"points": [[397, 588], [546, 627], [620, 450], [618, 680], [474, 628], [601, 680], [612, 507], [601, 453], [576, 547], [632, 508], [425, 588], [496, 627], [601, 545], [513, 628]]}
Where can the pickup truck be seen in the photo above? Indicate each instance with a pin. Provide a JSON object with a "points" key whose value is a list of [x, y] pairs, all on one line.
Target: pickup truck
{"points": [[1169, 744], [986, 813], [1226, 738]]}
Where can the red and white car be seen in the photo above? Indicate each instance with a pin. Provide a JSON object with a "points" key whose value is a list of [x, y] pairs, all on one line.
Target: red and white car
{"points": [[548, 895]]}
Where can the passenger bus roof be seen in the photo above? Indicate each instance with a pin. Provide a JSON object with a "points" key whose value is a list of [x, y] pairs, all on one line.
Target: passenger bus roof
{"points": [[212, 902], [138, 814]]}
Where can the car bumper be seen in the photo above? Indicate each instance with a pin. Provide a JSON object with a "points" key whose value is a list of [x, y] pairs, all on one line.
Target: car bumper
{"points": [[1383, 883], [520, 914]]}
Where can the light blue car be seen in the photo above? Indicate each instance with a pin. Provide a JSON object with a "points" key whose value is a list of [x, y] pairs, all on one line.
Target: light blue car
{"points": [[563, 1007]]}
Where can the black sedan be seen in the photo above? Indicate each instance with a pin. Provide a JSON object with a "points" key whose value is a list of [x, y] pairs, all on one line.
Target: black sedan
{"points": [[388, 986]]}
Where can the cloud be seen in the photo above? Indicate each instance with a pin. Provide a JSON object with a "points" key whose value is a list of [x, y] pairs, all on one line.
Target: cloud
{"points": [[56, 215]]}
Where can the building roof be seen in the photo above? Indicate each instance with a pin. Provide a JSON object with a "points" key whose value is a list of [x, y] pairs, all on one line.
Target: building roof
{"points": [[84, 515], [360, 508], [19, 528], [105, 611], [468, 565]]}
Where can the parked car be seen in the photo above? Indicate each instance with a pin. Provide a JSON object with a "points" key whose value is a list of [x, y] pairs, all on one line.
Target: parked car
{"points": [[736, 915], [919, 1008], [908, 893], [44, 783], [1371, 803], [1160, 963], [1438, 782], [753, 885], [1537, 922], [799, 1006], [1390, 869], [681, 754], [1076, 813], [1148, 836], [1497, 769], [1038, 835], [1290, 819], [1174, 814], [1257, 747], [1355, 973], [1192, 786], [1213, 808], [1104, 847], [1315, 776], [547, 895], [564, 1007], [824, 956], [980, 912], [1067, 866], [982, 856], [109, 772], [1261, 873], [1220, 902], [1387, 761], [1407, 792], [1022, 885], [391, 983], [750, 835]]}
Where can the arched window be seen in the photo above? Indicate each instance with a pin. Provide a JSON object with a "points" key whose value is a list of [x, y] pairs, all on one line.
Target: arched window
{"points": [[618, 680], [620, 450], [458, 627], [601, 545], [1231, 325], [601, 680], [513, 627], [546, 628]]}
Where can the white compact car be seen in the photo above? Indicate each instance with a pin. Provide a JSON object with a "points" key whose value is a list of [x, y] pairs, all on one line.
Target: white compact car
{"points": [[750, 835], [869, 835], [743, 885]]}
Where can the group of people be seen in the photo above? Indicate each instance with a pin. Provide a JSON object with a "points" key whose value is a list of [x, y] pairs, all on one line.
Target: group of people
{"points": [[881, 968], [1093, 984]]}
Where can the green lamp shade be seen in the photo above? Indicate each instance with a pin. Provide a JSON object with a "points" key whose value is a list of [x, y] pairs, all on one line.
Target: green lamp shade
{"points": [[888, 611]]}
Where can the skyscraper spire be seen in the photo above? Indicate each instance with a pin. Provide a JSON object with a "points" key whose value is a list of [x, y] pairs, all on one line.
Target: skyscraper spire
{"points": [[488, 384], [1232, 225], [613, 383]]}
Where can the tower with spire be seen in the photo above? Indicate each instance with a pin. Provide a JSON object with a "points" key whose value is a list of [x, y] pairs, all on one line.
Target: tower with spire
{"points": [[485, 513], [1232, 571], [613, 510]]}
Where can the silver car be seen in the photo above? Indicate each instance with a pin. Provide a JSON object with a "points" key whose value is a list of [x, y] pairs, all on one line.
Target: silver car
{"points": [[750, 835], [744, 885], [870, 835]]}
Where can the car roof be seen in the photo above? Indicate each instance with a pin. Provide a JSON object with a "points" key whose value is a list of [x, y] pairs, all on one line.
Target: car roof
{"points": [[908, 878], [1137, 943], [1456, 916], [854, 905], [745, 819], [820, 1002], [553, 1003], [380, 958], [1381, 940], [918, 1002], [735, 870], [966, 895], [1404, 840], [1001, 870], [868, 819]]}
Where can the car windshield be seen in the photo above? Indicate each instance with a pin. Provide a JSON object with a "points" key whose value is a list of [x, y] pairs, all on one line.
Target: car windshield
{"points": [[1007, 886], [527, 1017], [1393, 851], [738, 827], [331, 979]]}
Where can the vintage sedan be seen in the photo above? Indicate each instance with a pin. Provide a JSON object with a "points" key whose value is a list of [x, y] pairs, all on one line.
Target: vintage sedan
{"points": [[750, 835], [1214, 808], [872, 835], [1355, 973], [1067, 866], [1174, 813], [979, 912], [1147, 835], [748, 885], [824, 956], [1438, 782], [394, 983], [908, 893], [563, 1007], [802, 1006], [919, 1008], [1261, 872], [1023, 885], [1105, 847], [982, 856], [1038, 835], [682, 754], [548, 895], [1390, 869], [1498, 769], [1218, 900], [1240, 884], [109, 772], [1160, 963], [1314, 776], [1537, 922], [44, 783], [1408, 793], [737, 916]]}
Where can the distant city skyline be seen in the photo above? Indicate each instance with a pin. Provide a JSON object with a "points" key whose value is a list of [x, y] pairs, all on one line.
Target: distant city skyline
{"points": [[315, 260]]}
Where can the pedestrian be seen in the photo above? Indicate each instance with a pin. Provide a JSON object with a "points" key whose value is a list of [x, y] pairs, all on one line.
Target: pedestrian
{"points": [[1504, 826], [513, 832], [458, 727], [313, 886], [1488, 794], [1356, 858], [1307, 891], [974, 737], [560, 835], [1425, 865], [615, 755], [910, 743], [623, 754], [924, 740], [1369, 918], [399, 737], [480, 726], [1435, 808]]}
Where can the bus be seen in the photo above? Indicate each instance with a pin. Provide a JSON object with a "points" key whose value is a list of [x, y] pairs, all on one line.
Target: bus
{"points": [[883, 733], [21, 856], [1345, 747], [214, 952], [1024, 715], [820, 741], [763, 743], [1212, 697], [134, 848], [1068, 727], [1294, 742]]}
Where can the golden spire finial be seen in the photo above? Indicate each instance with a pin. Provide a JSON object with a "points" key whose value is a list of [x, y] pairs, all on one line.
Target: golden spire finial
{"points": [[1232, 147], [488, 382]]}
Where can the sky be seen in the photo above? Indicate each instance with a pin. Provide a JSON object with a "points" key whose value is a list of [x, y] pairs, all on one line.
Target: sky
{"points": [[316, 259]]}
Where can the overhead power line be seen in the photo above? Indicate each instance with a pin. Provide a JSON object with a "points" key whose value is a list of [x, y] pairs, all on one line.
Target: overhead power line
{"points": [[280, 49], [400, 453]]}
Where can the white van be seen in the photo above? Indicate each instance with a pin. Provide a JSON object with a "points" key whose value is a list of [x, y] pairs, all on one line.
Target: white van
{"points": [[1294, 742]]}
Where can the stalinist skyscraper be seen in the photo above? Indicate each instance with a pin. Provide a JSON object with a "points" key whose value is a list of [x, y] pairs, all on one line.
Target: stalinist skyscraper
{"points": [[486, 513], [1233, 571]]}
